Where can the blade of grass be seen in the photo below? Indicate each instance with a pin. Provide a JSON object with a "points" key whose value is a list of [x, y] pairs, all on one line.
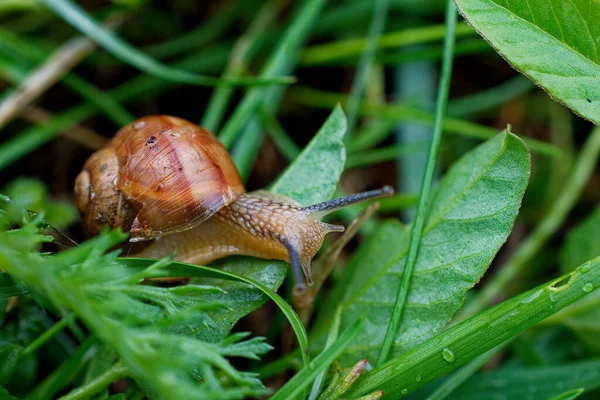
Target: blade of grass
{"points": [[332, 336], [208, 31], [399, 112], [570, 395], [429, 53], [44, 337], [325, 53], [97, 385], [9, 42], [490, 98], [286, 146], [64, 374], [463, 342], [463, 374], [135, 89], [80, 20], [434, 148], [306, 375], [366, 60], [559, 210], [281, 60], [65, 58], [384, 154], [243, 50]]}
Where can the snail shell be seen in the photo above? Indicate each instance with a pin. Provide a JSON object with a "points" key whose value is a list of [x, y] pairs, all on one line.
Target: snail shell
{"points": [[158, 175]]}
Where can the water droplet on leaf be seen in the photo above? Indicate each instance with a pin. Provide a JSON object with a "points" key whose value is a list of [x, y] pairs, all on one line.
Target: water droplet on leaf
{"points": [[419, 378], [588, 287], [404, 391], [584, 268], [448, 355]]}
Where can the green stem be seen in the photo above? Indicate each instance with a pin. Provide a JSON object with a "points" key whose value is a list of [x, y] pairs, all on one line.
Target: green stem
{"points": [[325, 53], [44, 337], [366, 60], [288, 148], [384, 154], [334, 331], [281, 60], [243, 50], [400, 112], [76, 16], [434, 148], [86, 391], [574, 185]]}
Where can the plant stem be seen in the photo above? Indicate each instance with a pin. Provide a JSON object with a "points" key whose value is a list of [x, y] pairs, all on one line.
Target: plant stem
{"points": [[331, 338], [401, 112], [44, 337], [366, 60], [243, 50], [434, 148], [574, 185], [281, 60], [325, 53], [117, 371]]}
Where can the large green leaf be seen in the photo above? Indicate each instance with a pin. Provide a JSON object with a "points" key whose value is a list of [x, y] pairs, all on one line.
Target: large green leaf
{"points": [[531, 383], [471, 215], [460, 344], [556, 43], [312, 177]]}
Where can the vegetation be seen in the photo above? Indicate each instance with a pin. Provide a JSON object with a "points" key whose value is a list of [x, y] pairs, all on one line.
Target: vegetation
{"points": [[313, 99]]}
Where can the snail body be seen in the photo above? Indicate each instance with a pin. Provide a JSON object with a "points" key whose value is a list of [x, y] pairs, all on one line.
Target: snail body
{"points": [[167, 179]]}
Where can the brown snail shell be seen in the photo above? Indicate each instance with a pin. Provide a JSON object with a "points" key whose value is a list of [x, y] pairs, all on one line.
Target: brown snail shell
{"points": [[158, 175]]}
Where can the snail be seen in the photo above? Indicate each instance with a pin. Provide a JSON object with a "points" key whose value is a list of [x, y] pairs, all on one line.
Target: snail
{"points": [[167, 179]]}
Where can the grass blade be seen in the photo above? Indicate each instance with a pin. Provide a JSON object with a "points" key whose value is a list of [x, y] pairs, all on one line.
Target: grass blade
{"points": [[282, 59], [419, 223], [465, 341], [78, 18], [306, 375]]}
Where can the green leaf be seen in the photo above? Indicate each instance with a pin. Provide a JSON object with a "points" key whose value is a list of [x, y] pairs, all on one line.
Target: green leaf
{"points": [[541, 383], [556, 43], [314, 174], [463, 342], [471, 214], [76, 16]]}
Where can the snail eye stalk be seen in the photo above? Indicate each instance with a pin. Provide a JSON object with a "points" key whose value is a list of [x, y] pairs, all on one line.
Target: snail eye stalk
{"points": [[321, 209]]}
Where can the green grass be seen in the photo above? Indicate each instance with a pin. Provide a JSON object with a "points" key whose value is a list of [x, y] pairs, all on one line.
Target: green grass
{"points": [[492, 289]]}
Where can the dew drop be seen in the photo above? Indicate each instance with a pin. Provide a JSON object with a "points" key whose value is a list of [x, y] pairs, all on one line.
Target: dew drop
{"points": [[139, 125], [419, 378], [588, 287], [404, 391], [448, 355], [533, 296], [584, 268]]}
